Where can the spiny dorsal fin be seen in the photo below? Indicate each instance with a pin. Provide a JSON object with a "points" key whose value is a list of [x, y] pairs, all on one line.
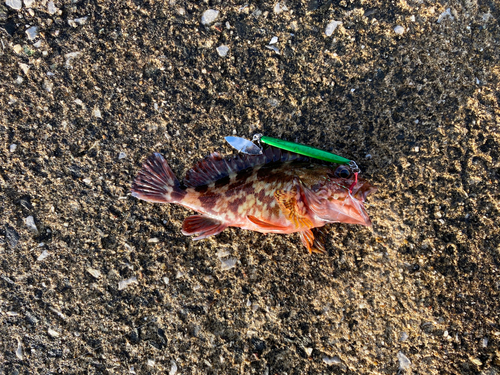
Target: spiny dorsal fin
{"points": [[214, 167]]}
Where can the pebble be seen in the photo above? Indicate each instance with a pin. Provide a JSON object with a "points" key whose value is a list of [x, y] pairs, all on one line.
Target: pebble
{"points": [[404, 362], [445, 14], [96, 112], [227, 264], [330, 28], [154, 240], [280, 7], [125, 283], [30, 222], [70, 57], [24, 67], [399, 30], [12, 147], [209, 16], [43, 255], [95, 273], [17, 48], [274, 40], [308, 351], [19, 350], [32, 32], [122, 155], [28, 3], [53, 333], [274, 48], [77, 21], [222, 50], [484, 342], [404, 336], [332, 360], [14, 4], [11, 236], [173, 368], [151, 363], [51, 8]]}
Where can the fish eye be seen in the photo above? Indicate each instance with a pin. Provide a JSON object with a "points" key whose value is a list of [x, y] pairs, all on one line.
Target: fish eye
{"points": [[342, 172]]}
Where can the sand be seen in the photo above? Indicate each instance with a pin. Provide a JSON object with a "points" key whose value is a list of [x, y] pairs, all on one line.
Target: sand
{"points": [[107, 284]]}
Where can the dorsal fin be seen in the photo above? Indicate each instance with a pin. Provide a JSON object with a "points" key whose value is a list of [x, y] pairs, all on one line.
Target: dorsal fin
{"points": [[214, 167]]}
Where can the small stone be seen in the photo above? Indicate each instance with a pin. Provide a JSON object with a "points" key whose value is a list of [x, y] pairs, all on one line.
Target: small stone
{"points": [[274, 40], [404, 362], [227, 264], [24, 67], [95, 273], [96, 112], [12, 147], [404, 336], [280, 8], [81, 20], [151, 363], [70, 57], [48, 85], [17, 48], [28, 3], [257, 13], [125, 283], [332, 361], [484, 342], [14, 4], [32, 32], [331, 27], [445, 14], [30, 222], [399, 30], [222, 50], [19, 350], [308, 351], [274, 48], [209, 16], [53, 333], [43, 255], [51, 8], [173, 368], [476, 361], [122, 155], [153, 240]]}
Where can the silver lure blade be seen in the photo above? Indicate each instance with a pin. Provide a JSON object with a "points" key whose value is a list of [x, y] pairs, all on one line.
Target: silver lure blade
{"points": [[244, 145]]}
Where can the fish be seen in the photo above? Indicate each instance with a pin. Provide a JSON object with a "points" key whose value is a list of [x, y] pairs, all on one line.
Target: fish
{"points": [[274, 192]]}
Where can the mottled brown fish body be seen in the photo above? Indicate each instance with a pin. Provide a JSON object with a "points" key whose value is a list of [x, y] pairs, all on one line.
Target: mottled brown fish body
{"points": [[277, 192]]}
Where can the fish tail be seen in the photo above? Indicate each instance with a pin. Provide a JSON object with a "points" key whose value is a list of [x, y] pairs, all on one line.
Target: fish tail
{"points": [[156, 182]]}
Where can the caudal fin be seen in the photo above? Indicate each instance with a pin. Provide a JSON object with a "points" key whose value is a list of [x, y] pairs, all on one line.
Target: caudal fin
{"points": [[156, 182]]}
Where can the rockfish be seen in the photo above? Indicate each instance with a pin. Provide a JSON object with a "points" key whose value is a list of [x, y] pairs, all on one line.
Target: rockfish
{"points": [[275, 192]]}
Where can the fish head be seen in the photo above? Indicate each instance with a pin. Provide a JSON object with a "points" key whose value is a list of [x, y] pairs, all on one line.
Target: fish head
{"points": [[332, 200], [342, 177]]}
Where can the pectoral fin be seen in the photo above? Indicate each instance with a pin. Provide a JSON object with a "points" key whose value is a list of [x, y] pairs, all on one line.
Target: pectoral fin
{"points": [[294, 207], [202, 226], [314, 245]]}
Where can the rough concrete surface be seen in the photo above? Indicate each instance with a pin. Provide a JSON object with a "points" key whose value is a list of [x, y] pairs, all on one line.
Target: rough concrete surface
{"points": [[409, 89]]}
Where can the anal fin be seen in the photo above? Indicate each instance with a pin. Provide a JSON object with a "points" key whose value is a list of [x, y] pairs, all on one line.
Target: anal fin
{"points": [[202, 226], [264, 224], [314, 245]]}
